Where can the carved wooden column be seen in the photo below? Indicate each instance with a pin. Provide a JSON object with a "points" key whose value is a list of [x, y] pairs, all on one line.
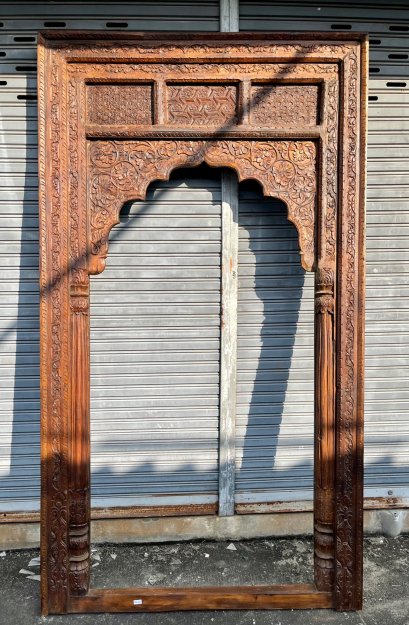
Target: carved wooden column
{"points": [[324, 512], [78, 532]]}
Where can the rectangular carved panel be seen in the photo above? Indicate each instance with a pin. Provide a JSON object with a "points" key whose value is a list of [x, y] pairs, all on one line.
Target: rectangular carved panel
{"points": [[279, 106], [119, 104], [202, 105]]}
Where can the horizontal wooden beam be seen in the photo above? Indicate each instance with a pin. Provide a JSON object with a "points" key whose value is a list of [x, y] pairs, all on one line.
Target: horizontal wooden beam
{"points": [[96, 131], [293, 596]]}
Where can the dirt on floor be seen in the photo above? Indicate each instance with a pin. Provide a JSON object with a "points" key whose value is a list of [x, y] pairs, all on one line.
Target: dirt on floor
{"points": [[214, 563]]}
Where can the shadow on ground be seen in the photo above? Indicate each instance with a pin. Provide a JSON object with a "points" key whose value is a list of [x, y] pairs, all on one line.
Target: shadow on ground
{"points": [[204, 562]]}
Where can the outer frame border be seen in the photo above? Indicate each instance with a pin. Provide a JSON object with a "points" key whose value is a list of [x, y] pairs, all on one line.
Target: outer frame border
{"points": [[55, 49]]}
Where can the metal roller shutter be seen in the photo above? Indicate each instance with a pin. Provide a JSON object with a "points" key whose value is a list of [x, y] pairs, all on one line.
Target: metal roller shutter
{"points": [[275, 357], [387, 316], [387, 430], [19, 348], [155, 350]]}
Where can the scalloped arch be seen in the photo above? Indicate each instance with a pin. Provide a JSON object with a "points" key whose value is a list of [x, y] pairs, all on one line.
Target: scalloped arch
{"points": [[121, 171]]}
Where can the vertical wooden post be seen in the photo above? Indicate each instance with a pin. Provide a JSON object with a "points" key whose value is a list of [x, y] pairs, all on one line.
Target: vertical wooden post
{"points": [[79, 476], [159, 107], [324, 451]]}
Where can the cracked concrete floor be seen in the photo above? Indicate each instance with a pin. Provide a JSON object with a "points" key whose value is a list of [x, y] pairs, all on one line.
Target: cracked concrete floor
{"points": [[205, 562]]}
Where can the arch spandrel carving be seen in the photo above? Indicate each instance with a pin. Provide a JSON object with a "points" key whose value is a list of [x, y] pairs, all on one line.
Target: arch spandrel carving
{"points": [[122, 171]]}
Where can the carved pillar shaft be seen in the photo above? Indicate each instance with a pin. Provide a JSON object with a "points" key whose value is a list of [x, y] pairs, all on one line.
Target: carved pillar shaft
{"points": [[79, 535], [324, 430]]}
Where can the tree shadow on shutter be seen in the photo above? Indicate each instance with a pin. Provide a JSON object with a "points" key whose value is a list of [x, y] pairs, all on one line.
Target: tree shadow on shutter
{"points": [[155, 411], [275, 405], [19, 336]]}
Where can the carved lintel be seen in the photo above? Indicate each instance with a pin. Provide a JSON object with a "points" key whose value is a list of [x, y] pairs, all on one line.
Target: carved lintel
{"points": [[123, 170], [324, 546]]}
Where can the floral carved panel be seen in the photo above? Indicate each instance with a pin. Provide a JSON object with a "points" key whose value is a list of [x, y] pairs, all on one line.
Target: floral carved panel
{"points": [[122, 170]]}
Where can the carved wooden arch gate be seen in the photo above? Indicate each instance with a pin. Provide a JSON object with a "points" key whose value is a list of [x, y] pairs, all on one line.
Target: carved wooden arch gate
{"points": [[117, 112]]}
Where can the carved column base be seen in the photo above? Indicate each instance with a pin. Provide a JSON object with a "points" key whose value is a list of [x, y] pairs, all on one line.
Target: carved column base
{"points": [[79, 543], [324, 544]]}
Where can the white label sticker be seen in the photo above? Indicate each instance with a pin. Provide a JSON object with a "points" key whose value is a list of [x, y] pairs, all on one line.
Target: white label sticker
{"points": [[137, 601]]}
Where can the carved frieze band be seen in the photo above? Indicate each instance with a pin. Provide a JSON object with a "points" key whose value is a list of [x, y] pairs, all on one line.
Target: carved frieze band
{"points": [[122, 170], [271, 105], [302, 54]]}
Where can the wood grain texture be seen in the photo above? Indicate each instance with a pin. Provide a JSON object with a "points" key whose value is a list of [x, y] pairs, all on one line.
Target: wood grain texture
{"points": [[350, 327], [92, 161], [284, 597], [123, 170], [324, 448]]}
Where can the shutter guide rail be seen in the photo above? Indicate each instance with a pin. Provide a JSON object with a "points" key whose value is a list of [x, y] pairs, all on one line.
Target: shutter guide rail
{"points": [[228, 365]]}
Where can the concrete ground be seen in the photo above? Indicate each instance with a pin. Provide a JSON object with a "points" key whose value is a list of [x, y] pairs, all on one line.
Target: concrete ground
{"points": [[199, 563]]}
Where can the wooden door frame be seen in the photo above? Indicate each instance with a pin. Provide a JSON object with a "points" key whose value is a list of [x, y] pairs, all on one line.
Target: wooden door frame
{"points": [[120, 110]]}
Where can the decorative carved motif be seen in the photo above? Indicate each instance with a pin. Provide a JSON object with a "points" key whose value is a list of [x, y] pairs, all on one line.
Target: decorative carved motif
{"points": [[78, 479], [123, 170], [74, 217], [58, 512], [119, 104], [205, 48], [330, 215], [78, 535], [284, 106], [349, 515], [79, 541], [225, 70], [44, 343], [324, 510], [201, 105]]}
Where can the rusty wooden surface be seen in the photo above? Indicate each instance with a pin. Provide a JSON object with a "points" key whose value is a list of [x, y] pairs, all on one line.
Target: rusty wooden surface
{"points": [[120, 110]]}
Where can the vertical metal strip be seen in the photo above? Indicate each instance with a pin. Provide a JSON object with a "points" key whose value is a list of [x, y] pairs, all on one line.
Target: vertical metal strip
{"points": [[228, 360], [229, 22], [229, 16]]}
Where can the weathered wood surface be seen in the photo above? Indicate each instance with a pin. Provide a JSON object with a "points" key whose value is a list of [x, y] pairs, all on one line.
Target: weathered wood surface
{"points": [[120, 110], [284, 597]]}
